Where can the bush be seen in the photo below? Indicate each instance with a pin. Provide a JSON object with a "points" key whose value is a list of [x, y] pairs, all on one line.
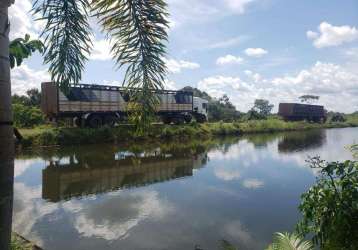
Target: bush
{"points": [[338, 117], [27, 116], [254, 115], [330, 207]]}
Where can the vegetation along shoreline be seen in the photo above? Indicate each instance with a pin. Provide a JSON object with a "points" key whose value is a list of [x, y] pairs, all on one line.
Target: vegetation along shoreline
{"points": [[52, 136]]}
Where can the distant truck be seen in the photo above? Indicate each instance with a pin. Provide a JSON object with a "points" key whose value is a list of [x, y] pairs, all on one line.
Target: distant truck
{"points": [[298, 111], [98, 105]]}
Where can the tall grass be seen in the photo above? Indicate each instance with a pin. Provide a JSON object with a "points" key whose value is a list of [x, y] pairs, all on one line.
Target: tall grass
{"points": [[46, 136]]}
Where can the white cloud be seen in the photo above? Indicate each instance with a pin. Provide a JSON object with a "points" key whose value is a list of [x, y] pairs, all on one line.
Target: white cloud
{"points": [[227, 174], [101, 50], [329, 35], [238, 6], [255, 77], [199, 11], [175, 66], [331, 82], [229, 59], [24, 78], [255, 52], [227, 43], [21, 20], [217, 86], [253, 183], [169, 85], [129, 210]]}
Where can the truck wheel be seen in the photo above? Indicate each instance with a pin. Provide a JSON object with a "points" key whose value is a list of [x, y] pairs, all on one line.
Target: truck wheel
{"points": [[187, 118], [200, 119], [178, 120], [78, 121], [95, 121], [110, 120], [166, 120]]}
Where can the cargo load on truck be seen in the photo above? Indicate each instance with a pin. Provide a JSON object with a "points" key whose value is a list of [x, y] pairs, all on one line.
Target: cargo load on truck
{"points": [[299, 111], [97, 105]]}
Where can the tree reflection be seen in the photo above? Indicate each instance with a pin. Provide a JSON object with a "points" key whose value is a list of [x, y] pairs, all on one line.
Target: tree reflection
{"points": [[302, 140]]}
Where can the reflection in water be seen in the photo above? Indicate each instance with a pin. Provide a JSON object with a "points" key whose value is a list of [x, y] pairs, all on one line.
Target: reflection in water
{"points": [[82, 174], [302, 140], [141, 196]]}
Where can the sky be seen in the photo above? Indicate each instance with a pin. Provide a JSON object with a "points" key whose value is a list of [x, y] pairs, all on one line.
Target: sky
{"points": [[248, 49]]}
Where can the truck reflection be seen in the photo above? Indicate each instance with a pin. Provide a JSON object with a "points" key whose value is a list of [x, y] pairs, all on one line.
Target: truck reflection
{"points": [[300, 141], [78, 176]]}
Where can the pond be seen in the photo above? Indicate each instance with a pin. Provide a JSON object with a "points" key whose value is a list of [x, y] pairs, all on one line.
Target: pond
{"points": [[173, 195]]}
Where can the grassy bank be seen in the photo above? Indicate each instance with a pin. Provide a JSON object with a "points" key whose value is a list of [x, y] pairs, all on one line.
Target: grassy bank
{"points": [[20, 243], [47, 136]]}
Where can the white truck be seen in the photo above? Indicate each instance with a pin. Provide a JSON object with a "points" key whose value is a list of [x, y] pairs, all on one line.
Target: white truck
{"points": [[98, 105]]}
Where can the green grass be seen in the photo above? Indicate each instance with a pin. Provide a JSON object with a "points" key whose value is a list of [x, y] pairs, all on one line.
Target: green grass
{"points": [[19, 243], [47, 135]]}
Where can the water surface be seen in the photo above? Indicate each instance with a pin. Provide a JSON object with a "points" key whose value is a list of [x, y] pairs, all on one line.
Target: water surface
{"points": [[171, 195]]}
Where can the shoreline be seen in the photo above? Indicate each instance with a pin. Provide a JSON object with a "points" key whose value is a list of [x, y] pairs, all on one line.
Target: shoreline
{"points": [[62, 136]]}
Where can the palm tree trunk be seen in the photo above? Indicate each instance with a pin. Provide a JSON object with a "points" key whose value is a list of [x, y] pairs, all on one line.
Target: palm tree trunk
{"points": [[6, 131]]}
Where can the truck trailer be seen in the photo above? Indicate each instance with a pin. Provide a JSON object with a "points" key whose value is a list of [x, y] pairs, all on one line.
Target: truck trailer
{"points": [[98, 105], [298, 111]]}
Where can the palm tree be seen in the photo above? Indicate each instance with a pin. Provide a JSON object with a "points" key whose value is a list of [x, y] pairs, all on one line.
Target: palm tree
{"points": [[6, 130], [286, 241], [138, 29]]}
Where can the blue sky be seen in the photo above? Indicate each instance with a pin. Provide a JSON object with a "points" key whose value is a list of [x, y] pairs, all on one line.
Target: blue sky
{"points": [[248, 49]]}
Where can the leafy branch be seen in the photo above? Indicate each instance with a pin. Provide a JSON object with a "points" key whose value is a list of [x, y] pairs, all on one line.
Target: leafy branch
{"points": [[22, 48]]}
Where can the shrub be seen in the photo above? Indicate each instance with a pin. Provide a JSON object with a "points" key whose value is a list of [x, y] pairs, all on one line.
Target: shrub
{"points": [[254, 115], [338, 117], [27, 116], [330, 207]]}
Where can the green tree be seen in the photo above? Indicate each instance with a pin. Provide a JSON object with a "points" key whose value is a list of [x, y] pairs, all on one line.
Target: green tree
{"points": [[330, 207], [308, 98], [32, 98], [21, 48], [219, 109], [27, 116], [262, 107]]}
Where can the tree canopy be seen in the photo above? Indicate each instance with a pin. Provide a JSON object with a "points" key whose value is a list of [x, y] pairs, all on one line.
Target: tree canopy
{"points": [[308, 98], [263, 107]]}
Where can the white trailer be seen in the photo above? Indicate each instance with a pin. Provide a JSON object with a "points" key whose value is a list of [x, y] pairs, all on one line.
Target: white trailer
{"points": [[97, 105]]}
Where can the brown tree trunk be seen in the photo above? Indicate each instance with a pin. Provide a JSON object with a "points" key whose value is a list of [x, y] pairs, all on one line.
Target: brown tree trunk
{"points": [[6, 131]]}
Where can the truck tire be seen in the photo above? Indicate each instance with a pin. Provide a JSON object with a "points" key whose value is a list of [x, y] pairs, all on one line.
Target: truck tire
{"points": [[166, 120], [94, 121], [110, 120], [187, 118], [78, 121], [178, 120], [200, 118]]}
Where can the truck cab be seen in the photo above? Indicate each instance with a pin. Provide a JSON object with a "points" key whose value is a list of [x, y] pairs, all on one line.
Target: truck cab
{"points": [[200, 109]]}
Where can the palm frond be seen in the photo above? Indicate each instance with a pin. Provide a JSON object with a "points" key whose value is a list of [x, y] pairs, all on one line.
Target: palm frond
{"points": [[67, 38], [138, 32], [286, 241]]}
